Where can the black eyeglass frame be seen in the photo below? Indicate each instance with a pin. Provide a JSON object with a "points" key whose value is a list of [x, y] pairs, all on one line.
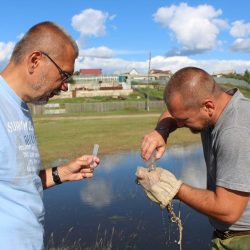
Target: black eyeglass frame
{"points": [[64, 75]]}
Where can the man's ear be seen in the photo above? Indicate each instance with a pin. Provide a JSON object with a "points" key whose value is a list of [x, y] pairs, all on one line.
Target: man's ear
{"points": [[209, 106], [33, 61]]}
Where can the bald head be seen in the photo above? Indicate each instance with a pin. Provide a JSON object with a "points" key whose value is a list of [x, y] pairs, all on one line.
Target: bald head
{"points": [[193, 85], [47, 37]]}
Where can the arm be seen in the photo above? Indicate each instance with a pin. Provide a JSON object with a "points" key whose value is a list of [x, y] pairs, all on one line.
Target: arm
{"points": [[224, 204], [75, 170], [161, 186], [157, 138]]}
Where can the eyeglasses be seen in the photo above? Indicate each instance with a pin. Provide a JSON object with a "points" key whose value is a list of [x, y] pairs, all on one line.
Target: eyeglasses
{"points": [[64, 75]]}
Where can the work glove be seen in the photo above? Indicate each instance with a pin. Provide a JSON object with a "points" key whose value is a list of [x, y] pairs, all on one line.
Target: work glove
{"points": [[160, 185]]}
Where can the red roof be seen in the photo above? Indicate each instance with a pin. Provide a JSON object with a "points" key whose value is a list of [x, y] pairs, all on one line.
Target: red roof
{"points": [[90, 72]]}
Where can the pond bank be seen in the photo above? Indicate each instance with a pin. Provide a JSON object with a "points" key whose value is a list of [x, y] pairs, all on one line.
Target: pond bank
{"points": [[68, 138]]}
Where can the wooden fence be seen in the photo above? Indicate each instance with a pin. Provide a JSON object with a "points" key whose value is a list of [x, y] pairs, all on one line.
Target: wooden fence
{"points": [[96, 107]]}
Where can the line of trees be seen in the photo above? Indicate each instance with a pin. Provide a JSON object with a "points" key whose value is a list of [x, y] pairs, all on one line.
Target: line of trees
{"points": [[245, 76]]}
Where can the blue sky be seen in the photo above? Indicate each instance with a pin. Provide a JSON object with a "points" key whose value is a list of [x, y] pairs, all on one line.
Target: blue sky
{"points": [[118, 35]]}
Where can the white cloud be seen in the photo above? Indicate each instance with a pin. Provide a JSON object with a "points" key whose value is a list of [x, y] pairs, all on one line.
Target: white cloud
{"points": [[90, 22], [20, 36], [5, 52], [240, 29], [242, 45], [100, 52], [112, 17], [195, 28], [110, 64], [174, 63]]}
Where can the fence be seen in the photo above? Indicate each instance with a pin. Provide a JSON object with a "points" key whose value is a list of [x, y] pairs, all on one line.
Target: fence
{"points": [[98, 107]]}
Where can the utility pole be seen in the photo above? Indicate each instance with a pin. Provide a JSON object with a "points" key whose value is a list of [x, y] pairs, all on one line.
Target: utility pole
{"points": [[149, 65]]}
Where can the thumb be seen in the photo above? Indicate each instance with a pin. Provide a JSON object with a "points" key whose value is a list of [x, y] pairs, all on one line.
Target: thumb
{"points": [[140, 172]]}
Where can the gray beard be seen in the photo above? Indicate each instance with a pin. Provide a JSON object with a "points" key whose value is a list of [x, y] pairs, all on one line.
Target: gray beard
{"points": [[38, 85]]}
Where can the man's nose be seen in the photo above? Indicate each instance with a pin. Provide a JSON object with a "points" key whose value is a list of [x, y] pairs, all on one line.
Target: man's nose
{"points": [[64, 86]]}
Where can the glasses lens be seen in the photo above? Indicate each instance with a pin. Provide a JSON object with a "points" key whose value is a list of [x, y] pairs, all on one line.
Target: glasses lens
{"points": [[66, 77]]}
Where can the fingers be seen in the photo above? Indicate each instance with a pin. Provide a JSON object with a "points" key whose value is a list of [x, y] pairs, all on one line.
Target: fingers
{"points": [[159, 152], [86, 170], [88, 161], [151, 142], [87, 175]]}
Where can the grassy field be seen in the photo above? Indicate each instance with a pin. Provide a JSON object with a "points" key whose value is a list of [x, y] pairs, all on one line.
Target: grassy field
{"points": [[70, 136]]}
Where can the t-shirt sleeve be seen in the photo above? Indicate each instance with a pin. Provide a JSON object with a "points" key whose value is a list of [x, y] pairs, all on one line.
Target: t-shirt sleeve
{"points": [[233, 159]]}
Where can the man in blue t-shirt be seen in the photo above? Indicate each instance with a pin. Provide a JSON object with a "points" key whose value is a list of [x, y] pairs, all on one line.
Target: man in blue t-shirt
{"points": [[40, 65], [222, 118]]}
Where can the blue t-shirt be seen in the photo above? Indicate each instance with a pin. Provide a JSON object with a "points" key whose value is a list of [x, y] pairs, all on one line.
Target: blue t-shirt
{"points": [[21, 205]]}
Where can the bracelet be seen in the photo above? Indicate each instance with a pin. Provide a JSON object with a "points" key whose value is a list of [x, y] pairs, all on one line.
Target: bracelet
{"points": [[55, 176]]}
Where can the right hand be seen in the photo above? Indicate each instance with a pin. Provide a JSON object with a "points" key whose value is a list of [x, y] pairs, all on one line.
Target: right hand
{"points": [[79, 168], [152, 141]]}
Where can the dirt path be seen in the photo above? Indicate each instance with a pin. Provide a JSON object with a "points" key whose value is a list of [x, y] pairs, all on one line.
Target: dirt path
{"points": [[52, 118]]}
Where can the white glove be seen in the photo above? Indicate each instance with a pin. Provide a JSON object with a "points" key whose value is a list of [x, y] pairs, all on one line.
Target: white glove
{"points": [[160, 185]]}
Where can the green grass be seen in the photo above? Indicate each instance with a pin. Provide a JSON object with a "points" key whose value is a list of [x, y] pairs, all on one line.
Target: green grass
{"points": [[69, 138]]}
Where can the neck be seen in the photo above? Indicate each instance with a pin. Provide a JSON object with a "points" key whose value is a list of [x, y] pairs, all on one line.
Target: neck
{"points": [[14, 78], [221, 105]]}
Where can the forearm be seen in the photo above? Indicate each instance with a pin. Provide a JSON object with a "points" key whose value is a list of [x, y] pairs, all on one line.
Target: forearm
{"points": [[222, 205]]}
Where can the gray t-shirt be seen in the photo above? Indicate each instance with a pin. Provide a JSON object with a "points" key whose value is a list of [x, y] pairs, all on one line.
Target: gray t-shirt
{"points": [[227, 154]]}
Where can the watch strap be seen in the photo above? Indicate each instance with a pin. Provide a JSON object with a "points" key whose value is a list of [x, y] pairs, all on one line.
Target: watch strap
{"points": [[55, 176]]}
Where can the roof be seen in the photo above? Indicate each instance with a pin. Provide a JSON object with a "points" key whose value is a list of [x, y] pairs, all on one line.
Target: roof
{"points": [[158, 71], [91, 72]]}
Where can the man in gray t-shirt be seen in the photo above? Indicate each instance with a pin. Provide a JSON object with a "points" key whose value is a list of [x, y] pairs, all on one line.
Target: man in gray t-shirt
{"points": [[222, 118], [227, 155]]}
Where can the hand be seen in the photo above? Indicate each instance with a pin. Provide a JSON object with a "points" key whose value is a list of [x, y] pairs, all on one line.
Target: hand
{"points": [[151, 141], [160, 185], [79, 168]]}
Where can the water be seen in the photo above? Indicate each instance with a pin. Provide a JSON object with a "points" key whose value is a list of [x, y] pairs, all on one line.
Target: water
{"points": [[110, 211]]}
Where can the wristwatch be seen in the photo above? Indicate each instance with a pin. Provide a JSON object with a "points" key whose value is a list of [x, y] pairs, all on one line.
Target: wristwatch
{"points": [[55, 176]]}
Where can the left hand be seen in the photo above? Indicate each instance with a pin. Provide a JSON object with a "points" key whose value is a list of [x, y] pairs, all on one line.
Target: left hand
{"points": [[160, 185], [80, 168]]}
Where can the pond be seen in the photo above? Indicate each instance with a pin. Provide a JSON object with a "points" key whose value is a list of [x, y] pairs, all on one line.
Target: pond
{"points": [[110, 211]]}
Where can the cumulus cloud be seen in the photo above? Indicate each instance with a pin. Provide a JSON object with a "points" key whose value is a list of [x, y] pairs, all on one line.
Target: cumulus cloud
{"points": [[90, 22], [240, 29], [5, 52], [195, 28], [110, 64], [173, 63], [241, 45], [99, 52]]}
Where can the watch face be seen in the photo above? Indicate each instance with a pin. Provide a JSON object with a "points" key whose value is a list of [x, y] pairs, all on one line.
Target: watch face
{"points": [[55, 176]]}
